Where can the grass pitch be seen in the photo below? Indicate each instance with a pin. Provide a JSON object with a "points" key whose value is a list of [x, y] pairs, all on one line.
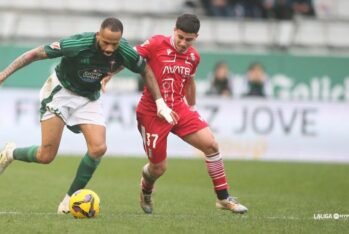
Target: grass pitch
{"points": [[281, 197]]}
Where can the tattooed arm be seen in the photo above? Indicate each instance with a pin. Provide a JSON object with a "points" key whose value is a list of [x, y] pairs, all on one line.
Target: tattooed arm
{"points": [[23, 60]]}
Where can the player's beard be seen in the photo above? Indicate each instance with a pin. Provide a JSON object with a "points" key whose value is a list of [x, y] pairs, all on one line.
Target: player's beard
{"points": [[99, 48]]}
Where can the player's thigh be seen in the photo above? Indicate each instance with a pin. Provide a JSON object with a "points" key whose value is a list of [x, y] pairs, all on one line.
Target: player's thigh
{"points": [[95, 136], [51, 135], [202, 140], [154, 132]]}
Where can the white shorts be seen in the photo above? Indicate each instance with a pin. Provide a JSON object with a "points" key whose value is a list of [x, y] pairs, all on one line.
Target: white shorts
{"points": [[73, 109]]}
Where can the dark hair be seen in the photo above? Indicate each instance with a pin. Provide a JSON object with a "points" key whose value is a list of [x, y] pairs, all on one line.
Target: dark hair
{"points": [[188, 23], [253, 65], [113, 24]]}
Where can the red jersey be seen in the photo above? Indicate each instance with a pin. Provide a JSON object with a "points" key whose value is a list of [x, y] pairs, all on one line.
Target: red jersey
{"points": [[171, 69]]}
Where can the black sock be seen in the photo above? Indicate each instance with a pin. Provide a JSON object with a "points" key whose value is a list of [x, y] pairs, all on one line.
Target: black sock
{"points": [[222, 194]]}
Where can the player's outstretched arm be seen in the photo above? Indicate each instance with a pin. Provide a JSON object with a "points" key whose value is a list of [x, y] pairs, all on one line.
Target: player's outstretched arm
{"points": [[163, 110], [23, 60]]}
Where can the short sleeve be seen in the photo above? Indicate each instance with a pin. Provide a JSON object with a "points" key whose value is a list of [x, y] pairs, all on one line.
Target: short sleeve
{"points": [[131, 59], [54, 49], [145, 49]]}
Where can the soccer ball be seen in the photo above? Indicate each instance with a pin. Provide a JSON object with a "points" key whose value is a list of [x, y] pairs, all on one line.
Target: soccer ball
{"points": [[84, 203]]}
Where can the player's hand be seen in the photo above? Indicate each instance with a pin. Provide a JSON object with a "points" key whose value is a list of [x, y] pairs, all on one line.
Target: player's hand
{"points": [[165, 112], [104, 82]]}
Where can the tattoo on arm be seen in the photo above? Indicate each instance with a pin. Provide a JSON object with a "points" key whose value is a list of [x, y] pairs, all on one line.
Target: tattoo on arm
{"points": [[25, 59]]}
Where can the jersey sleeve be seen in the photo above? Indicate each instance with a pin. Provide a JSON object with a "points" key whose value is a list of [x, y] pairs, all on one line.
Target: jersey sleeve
{"points": [[53, 50], [62, 48], [146, 48], [131, 59], [70, 46]]}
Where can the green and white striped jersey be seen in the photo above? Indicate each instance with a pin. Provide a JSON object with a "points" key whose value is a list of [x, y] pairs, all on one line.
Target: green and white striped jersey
{"points": [[83, 65]]}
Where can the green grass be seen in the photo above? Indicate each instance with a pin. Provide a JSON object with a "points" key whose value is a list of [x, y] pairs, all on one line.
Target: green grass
{"points": [[281, 197]]}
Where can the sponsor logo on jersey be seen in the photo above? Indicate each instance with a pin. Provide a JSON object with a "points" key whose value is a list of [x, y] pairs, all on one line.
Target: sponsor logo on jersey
{"points": [[91, 75], [55, 45], [176, 69]]}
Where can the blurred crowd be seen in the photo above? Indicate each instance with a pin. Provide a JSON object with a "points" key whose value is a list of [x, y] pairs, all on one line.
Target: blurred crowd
{"points": [[254, 83], [267, 9]]}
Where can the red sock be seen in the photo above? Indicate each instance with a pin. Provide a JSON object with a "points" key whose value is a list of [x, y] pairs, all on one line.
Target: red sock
{"points": [[215, 168], [146, 187]]}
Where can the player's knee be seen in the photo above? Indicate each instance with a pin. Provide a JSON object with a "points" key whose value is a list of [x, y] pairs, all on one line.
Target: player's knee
{"points": [[157, 170], [46, 157], [211, 148], [45, 160], [160, 171], [98, 150], [46, 154]]}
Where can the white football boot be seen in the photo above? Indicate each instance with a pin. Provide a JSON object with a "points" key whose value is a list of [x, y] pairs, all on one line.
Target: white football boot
{"points": [[231, 204], [63, 207], [6, 156]]}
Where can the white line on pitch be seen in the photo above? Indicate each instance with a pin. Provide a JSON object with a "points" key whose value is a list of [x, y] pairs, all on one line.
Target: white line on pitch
{"points": [[25, 213]]}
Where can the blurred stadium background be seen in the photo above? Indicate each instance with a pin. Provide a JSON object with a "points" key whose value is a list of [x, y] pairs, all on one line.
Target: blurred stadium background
{"points": [[305, 58], [302, 117]]}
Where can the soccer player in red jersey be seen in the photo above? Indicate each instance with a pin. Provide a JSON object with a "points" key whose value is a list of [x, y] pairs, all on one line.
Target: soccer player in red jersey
{"points": [[174, 62]]}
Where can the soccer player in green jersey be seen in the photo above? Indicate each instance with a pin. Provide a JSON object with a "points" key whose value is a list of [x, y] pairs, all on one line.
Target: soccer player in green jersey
{"points": [[70, 96]]}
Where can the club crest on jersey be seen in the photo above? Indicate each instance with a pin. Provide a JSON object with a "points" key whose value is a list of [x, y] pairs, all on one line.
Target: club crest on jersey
{"points": [[192, 56], [91, 75], [55, 45]]}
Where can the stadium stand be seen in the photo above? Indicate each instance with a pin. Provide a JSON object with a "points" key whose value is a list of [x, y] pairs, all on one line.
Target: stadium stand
{"points": [[335, 35], [102, 6], [257, 33], [41, 20], [232, 38], [310, 33], [285, 31]]}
